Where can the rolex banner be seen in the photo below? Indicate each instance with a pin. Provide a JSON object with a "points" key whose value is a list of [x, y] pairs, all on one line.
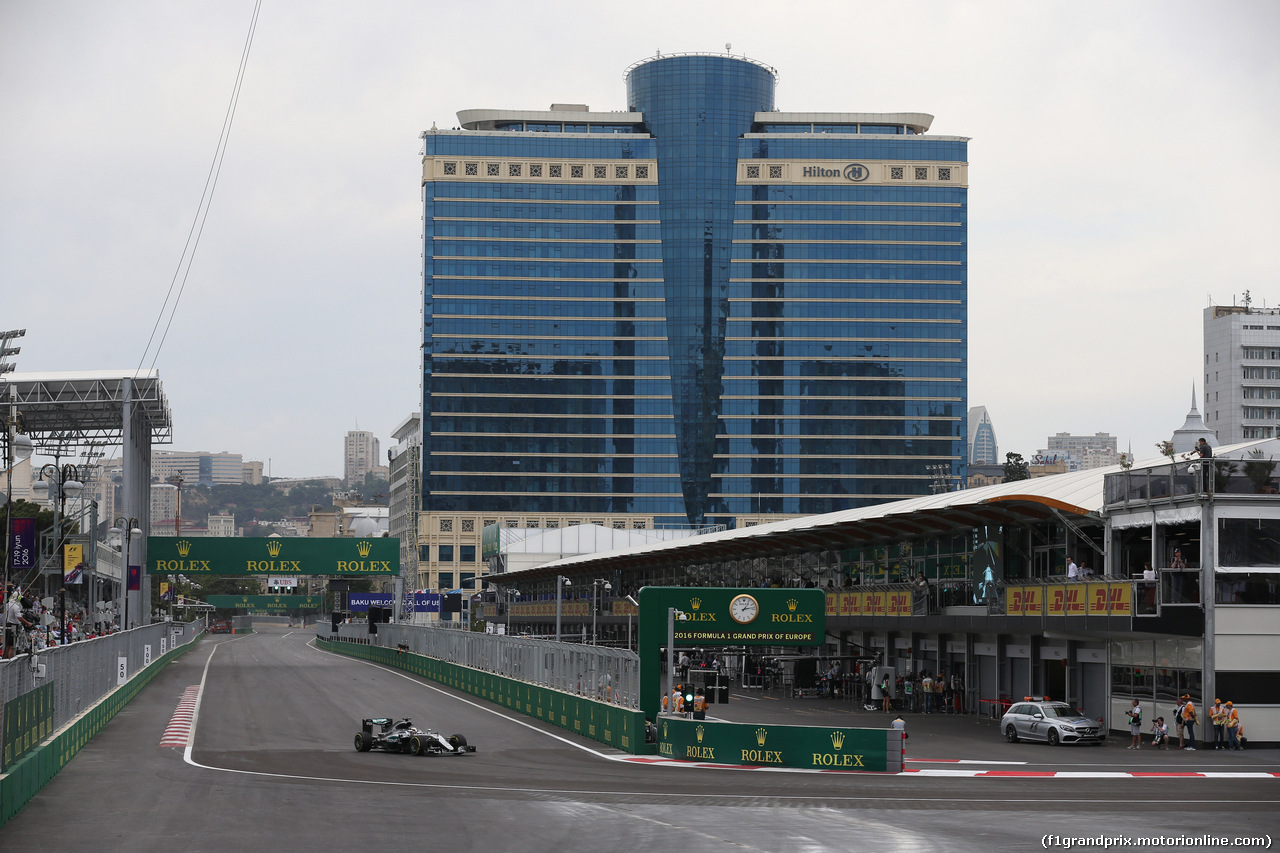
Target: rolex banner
{"points": [[809, 747], [192, 556]]}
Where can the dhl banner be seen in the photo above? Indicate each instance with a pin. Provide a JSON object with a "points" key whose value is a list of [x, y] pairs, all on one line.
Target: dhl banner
{"points": [[887, 603], [899, 603], [1092, 599]]}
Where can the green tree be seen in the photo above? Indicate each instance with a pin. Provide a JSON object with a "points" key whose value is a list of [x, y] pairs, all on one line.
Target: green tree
{"points": [[1016, 468]]}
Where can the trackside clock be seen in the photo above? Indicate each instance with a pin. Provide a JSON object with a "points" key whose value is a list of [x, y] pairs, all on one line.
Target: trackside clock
{"points": [[744, 609]]}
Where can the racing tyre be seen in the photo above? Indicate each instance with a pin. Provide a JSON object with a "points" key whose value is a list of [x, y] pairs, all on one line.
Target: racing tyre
{"points": [[415, 746], [1053, 737], [362, 742], [457, 741], [1011, 734]]}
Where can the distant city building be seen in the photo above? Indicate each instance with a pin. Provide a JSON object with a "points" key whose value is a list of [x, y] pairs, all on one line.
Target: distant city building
{"points": [[198, 467], [984, 475], [404, 479], [361, 453], [222, 525], [1242, 371], [164, 507], [288, 484], [251, 473], [1078, 452], [1193, 429], [982, 438]]}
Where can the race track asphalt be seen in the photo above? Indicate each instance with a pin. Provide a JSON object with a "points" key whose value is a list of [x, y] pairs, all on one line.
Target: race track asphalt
{"points": [[272, 768]]}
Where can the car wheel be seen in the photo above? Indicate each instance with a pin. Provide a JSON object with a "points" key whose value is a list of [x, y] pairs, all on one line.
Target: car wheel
{"points": [[1053, 737], [1011, 734], [415, 746], [457, 741], [362, 743]]}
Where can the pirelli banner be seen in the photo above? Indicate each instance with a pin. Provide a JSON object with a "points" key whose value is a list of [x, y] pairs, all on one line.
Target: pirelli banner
{"points": [[192, 556], [870, 603], [807, 747], [1070, 599]]}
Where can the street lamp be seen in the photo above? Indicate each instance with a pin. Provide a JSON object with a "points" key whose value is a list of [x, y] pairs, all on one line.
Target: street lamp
{"points": [[561, 582], [64, 482], [512, 592], [126, 528], [595, 602]]}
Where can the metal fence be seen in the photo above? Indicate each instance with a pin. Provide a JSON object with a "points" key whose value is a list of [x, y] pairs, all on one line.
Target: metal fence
{"points": [[607, 674], [83, 672]]}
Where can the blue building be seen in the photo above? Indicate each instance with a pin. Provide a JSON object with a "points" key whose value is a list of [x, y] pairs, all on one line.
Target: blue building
{"points": [[700, 309]]}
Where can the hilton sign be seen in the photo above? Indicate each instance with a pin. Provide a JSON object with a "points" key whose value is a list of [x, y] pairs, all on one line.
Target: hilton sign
{"points": [[853, 172]]}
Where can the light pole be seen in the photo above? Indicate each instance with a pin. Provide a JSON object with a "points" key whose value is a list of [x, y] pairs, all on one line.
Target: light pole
{"points": [[561, 582], [64, 482], [126, 528], [512, 592], [17, 448], [595, 602]]}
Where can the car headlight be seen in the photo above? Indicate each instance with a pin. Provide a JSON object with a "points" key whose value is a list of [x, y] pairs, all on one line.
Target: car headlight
{"points": [[1068, 728]]}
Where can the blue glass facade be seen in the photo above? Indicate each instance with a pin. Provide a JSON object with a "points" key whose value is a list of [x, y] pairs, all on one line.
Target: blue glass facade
{"points": [[717, 312]]}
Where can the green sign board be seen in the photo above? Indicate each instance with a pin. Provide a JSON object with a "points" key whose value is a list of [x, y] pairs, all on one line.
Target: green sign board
{"points": [[723, 616], [272, 555], [267, 603], [809, 747]]}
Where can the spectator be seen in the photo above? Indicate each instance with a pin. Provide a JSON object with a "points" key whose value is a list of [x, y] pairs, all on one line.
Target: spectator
{"points": [[1234, 729], [1159, 734], [1135, 725], [886, 701], [1218, 717], [1189, 721], [1073, 571], [926, 687], [1179, 724], [909, 693]]}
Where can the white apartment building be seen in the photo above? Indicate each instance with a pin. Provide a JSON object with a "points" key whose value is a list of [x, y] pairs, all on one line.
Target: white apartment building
{"points": [[1081, 452], [1242, 372], [198, 467], [360, 456]]}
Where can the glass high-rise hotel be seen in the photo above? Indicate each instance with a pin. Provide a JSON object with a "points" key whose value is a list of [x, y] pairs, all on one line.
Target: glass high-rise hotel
{"points": [[697, 309]]}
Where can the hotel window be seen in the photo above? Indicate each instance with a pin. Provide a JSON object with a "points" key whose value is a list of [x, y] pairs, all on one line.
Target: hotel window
{"points": [[468, 525], [473, 169], [642, 172], [897, 173], [451, 168], [944, 173], [620, 171], [557, 170], [446, 525], [600, 171], [577, 171], [444, 553], [775, 172], [753, 172], [535, 170], [492, 170], [922, 173], [513, 170]]}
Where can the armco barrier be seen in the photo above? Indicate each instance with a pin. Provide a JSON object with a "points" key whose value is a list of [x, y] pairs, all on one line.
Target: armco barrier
{"points": [[617, 726], [34, 770], [759, 745]]}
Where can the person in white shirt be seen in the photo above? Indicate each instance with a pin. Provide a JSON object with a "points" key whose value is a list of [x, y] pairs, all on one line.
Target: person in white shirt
{"points": [[1073, 571]]}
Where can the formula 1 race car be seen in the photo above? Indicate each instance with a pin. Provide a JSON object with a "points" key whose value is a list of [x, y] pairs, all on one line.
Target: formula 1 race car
{"points": [[403, 736]]}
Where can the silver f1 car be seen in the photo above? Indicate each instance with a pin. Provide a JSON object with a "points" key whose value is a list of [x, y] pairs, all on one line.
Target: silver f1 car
{"points": [[403, 736]]}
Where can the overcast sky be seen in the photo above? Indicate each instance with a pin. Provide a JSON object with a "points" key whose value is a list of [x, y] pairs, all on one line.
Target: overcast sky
{"points": [[1123, 175]]}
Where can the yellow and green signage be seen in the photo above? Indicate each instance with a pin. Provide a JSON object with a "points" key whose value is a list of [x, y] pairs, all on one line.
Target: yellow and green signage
{"points": [[267, 603], [167, 555]]}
